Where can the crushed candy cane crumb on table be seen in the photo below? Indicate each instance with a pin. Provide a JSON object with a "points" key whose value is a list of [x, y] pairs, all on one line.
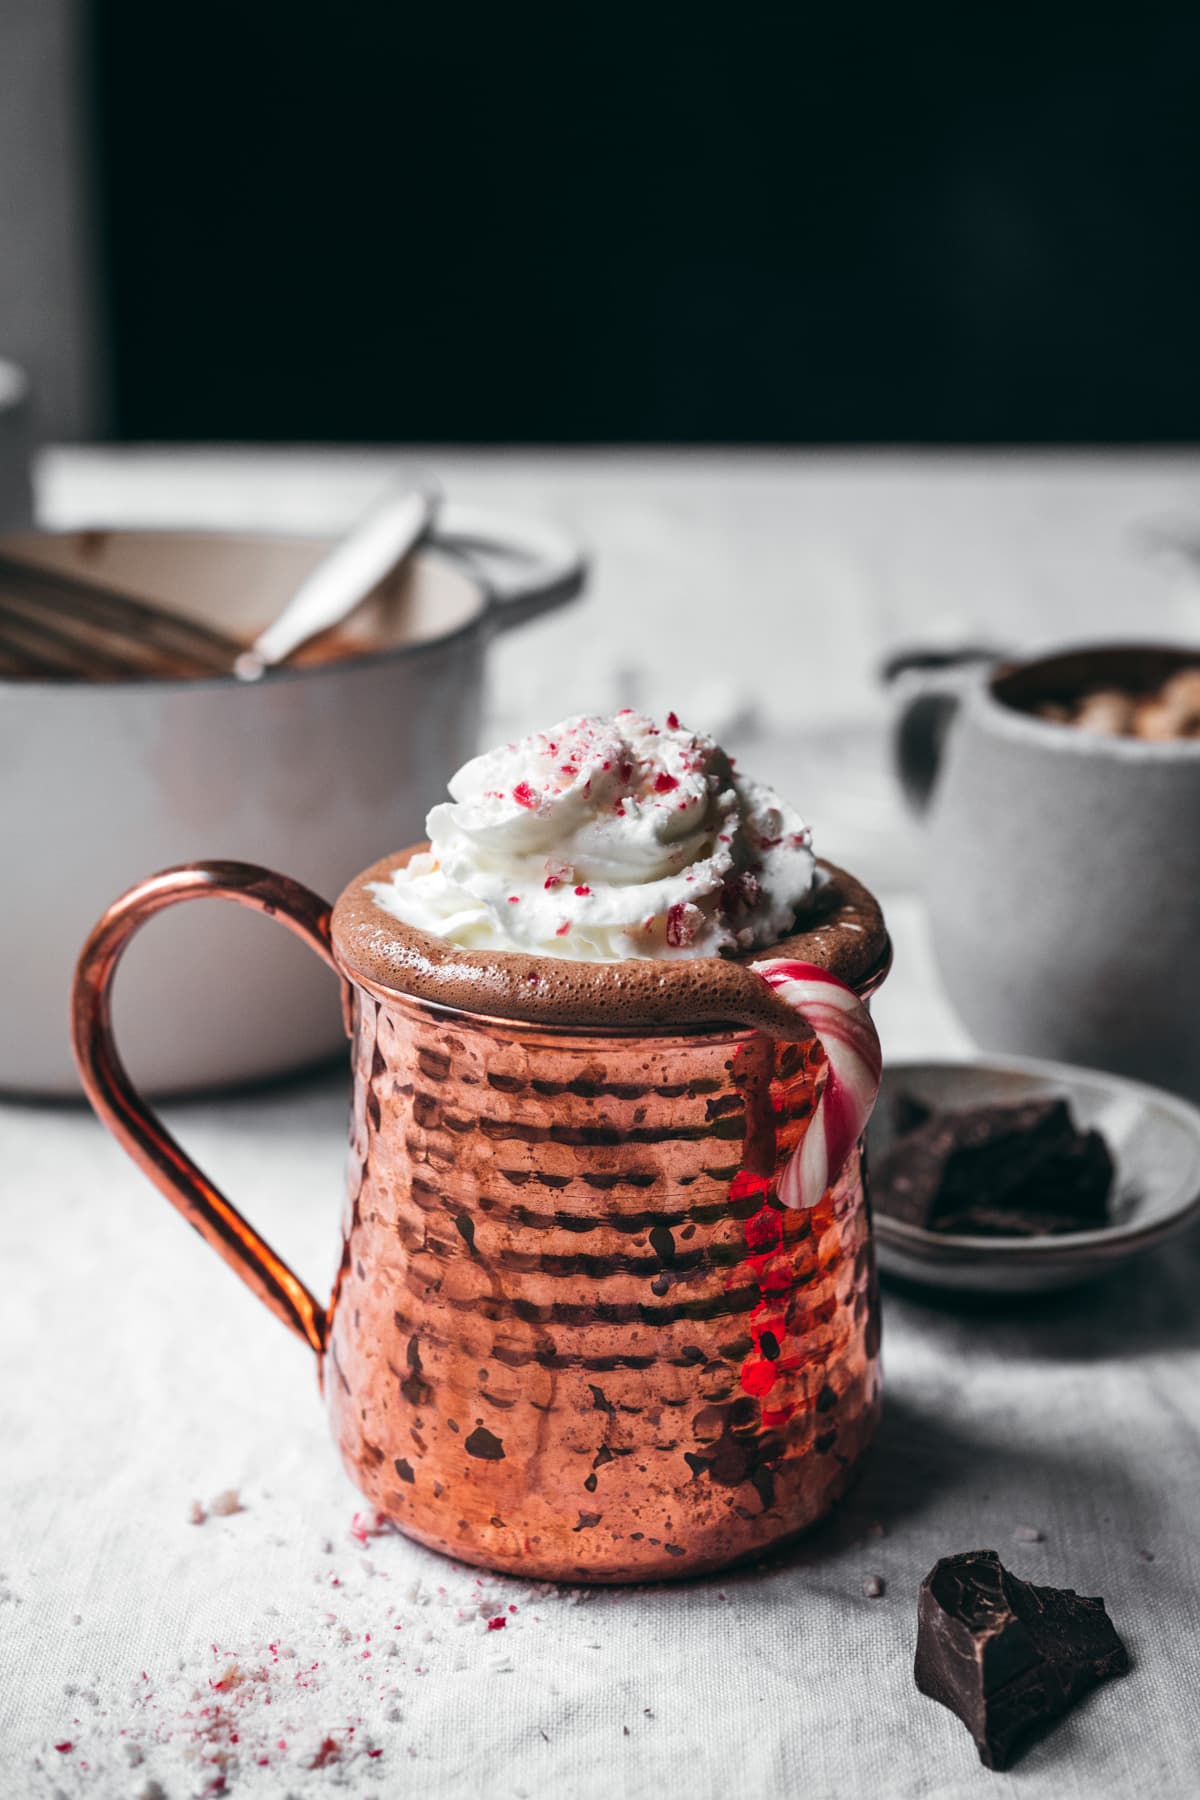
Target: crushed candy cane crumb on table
{"points": [[299, 1709]]}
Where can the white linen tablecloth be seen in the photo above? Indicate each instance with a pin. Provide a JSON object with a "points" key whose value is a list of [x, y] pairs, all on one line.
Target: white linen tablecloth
{"points": [[142, 1377], [271, 1651]]}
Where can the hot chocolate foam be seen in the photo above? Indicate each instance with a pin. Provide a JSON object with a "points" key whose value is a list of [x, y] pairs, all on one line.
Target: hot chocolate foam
{"points": [[840, 928]]}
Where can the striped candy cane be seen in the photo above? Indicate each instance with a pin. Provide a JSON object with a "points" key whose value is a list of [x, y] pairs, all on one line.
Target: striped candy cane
{"points": [[844, 1030]]}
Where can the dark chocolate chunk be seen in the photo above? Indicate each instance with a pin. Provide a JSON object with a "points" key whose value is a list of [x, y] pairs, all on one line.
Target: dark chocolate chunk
{"points": [[1014, 1170], [1067, 1192], [958, 1158], [908, 1112], [1007, 1657]]}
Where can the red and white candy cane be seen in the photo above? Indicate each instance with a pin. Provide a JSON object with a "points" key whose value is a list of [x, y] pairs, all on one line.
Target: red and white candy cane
{"points": [[844, 1031]]}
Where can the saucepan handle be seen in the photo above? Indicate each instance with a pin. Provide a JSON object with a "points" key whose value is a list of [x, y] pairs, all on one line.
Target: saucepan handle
{"points": [[529, 565], [132, 1122]]}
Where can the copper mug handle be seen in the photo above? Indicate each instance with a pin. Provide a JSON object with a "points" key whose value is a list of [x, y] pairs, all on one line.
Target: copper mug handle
{"points": [[136, 1127]]}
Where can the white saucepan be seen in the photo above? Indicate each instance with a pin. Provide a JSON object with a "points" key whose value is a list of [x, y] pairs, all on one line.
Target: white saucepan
{"points": [[316, 769]]}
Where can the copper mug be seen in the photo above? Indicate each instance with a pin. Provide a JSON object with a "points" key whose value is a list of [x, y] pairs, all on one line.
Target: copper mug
{"points": [[573, 1334]]}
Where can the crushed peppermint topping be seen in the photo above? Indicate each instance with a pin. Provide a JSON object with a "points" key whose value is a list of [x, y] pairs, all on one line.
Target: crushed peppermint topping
{"points": [[683, 922], [557, 871]]}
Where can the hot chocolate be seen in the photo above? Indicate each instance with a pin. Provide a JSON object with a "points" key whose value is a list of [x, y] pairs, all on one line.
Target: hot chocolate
{"points": [[606, 1305], [612, 874]]}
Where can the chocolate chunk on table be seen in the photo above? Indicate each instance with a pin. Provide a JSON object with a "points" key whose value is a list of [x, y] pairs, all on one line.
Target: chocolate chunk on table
{"points": [[1007, 1657], [1008, 1170]]}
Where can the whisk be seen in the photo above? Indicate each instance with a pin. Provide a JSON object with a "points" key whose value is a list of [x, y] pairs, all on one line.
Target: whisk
{"points": [[68, 627]]}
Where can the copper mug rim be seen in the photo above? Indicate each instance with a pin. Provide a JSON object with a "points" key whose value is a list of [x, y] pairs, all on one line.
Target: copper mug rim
{"points": [[869, 984]]}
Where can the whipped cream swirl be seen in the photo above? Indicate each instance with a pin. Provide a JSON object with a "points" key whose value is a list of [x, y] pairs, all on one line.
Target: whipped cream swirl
{"points": [[603, 839]]}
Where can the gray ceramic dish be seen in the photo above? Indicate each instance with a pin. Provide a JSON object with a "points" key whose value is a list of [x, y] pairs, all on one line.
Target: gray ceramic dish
{"points": [[1155, 1141]]}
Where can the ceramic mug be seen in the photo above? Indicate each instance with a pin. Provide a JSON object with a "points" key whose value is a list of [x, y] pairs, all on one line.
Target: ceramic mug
{"points": [[317, 764], [1062, 866], [573, 1333]]}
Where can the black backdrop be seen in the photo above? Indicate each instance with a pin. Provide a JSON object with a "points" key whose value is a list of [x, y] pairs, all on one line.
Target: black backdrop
{"points": [[857, 223]]}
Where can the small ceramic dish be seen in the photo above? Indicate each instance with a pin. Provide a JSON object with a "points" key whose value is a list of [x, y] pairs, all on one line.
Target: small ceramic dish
{"points": [[1154, 1138]]}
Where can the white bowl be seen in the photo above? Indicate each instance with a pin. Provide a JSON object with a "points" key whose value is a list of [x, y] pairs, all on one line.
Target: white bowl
{"points": [[1154, 1138]]}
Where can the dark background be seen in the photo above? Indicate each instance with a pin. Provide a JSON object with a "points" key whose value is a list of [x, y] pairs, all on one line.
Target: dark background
{"points": [[378, 221]]}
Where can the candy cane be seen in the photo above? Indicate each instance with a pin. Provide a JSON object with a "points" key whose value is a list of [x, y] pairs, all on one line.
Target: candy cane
{"points": [[844, 1031]]}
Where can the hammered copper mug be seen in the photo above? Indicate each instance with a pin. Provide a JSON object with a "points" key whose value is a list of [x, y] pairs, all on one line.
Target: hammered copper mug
{"points": [[573, 1333]]}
